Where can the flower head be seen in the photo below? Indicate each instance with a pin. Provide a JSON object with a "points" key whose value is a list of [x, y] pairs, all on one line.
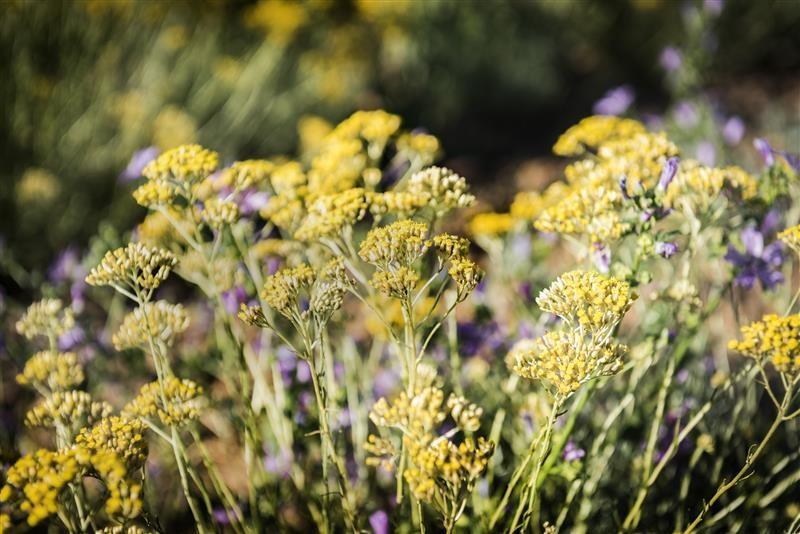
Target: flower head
{"points": [[183, 398], [158, 320], [56, 371], [120, 435], [135, 266], [774, 339], [47, 318], [66, 408]]}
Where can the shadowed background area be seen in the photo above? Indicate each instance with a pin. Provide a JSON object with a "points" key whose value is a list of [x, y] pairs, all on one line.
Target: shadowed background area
{"points": [[87, 84]]}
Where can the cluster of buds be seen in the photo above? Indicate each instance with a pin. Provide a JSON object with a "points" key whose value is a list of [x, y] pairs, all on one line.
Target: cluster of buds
{"points": [[46, 318], [179, 402], [135, 266], [159, 321], [591, 306]]}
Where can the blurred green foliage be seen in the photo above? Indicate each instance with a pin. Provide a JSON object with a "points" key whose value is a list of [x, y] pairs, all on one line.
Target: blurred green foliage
{"points": [[88, 83]]}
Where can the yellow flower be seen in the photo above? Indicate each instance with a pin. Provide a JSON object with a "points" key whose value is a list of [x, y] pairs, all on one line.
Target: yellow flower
{"points": [[466, 274], [136, 266], [245, 174], [330, 215], [120, 435], [186, 165], [775, 339], [593, 131], [158, 320], [282, 289], [444, 189], [183, 398], [56, 371], [791, 236], [68, 409], [490, 224], [565, 360], [588, 300], [47, 318], [398, 244]]}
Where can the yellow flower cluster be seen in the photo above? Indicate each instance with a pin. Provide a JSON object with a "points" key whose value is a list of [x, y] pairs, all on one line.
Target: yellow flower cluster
{"points": [[399, 203], [54, 371], [440, 471], [421, 148], [282, 289], [136, 266], [592, 305], [219, 212], [181, 171], [158, 320], [68, 409], [120, 435], [185, 165], [180, 402], [450, 246], [444, 189], [47, 318], [36, 480], [588, 300], [330, 215], [490, 224], [773, 338], [395, 245], [565, 360], [593, 131], [466, 274], [243, 175], [791, 236], [700, 185], [328, 291], [124, 496]]}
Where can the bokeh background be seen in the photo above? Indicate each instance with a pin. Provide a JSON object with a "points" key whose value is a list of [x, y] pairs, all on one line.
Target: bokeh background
{"points": [[85, 85]]}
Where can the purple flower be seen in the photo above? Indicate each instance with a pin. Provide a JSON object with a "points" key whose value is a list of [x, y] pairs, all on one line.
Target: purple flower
{"points": [[379, 521], [278, 464], [303, 373], [69, 340], [757, 262], [138, 162], [623, 187], [670, 59], [733, 131], [478, 337], [713, 7], [66, 267], [666, 249], [764, 148], [220, 516], [232, 298], [602, 258], [686, 114], [385, 383], [616, 101], [572, 453], [706, 153], [252, 200], [668, 172]]}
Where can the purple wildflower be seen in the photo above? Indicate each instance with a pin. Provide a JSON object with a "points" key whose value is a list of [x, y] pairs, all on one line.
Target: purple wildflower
{"points": [[757, 262], [733, 131], [602, 258], [303, 372], [668, 173], [670, 59], [764, 148], [69, 340], [379, 521], [572, 453], [713, 7], [278, 464], [686, 114], [623, 187], [706, 153], [232, 298], [252, 200], [616, 101], [138, 162], [220, 516], [666, 249]]}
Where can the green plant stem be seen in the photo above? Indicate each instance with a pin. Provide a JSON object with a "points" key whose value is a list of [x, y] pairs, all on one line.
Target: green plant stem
{"points": [[751, 458], [528, 497]]}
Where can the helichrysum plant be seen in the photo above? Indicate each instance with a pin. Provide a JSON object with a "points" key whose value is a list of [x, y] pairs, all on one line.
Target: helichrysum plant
{"points": [[313, 343]]}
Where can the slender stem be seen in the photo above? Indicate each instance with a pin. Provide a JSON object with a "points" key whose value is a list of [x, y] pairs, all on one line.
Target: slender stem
{"points": [[751, 458]]}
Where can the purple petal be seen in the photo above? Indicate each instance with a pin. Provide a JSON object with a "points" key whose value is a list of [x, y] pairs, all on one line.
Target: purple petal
{"points": [[670, 59], [764, 148], [770, 279], [770, 222], [616, 101], [735, 257], [666, 249], [379, 521], [138, 162], [753, 241], [602, 258], [706, 153], [668, 172], [733, 131], [686, 114], [773, 254]]}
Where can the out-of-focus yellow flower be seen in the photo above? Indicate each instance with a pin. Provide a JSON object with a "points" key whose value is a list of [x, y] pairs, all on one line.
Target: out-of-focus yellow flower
{"points": [[47, 318], [775, 339], [279, 19], [312, 131], [490, 224], [173, 127], [37, 187], [183, 397], [55, 371]]}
